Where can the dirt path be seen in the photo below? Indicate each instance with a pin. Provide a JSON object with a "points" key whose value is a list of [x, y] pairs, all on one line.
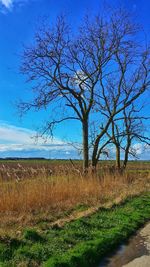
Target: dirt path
{"points": [[79, 214]]}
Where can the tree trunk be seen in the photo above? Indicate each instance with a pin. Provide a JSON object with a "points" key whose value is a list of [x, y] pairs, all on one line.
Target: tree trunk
{"points": [[94, 164], [125, 160], [118, 165], [126, 155], [94, 158], [85, 146]]}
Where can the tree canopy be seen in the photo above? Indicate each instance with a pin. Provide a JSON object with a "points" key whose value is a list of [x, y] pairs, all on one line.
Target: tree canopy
{"points": [[94, 73]]}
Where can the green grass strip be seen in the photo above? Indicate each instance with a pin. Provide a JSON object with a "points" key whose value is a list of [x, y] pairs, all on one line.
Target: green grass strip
{"points": [[124, 220], [81, 243]]}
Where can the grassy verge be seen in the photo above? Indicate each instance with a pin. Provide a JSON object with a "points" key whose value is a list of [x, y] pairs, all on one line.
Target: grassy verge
{"points": [[79, 243]]}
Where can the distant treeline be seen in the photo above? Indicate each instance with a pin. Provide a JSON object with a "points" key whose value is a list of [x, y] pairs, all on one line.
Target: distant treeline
{"points": [[59, 159]]}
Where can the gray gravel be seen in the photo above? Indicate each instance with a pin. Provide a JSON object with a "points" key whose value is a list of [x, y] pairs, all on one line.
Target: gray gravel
{"points": [[143, 261]]}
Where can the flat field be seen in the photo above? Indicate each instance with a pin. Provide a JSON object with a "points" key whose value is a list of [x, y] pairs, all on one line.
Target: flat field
{"points": [[39, 195]]}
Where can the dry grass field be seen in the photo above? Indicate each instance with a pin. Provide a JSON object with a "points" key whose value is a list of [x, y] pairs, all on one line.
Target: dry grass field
{"points": [[32, 192]]}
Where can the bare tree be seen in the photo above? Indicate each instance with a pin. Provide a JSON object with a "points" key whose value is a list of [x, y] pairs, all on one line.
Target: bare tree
{"points": [[90, 75], [122, 82], [134, 130], [125, 131]]}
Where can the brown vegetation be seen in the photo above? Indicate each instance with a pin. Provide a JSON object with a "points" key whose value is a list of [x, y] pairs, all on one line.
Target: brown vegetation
{"points": [[47, 198]]}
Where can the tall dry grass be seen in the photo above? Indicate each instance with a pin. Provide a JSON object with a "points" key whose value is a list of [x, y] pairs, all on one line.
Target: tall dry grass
{"points": [[35, 193], [65, 192]]}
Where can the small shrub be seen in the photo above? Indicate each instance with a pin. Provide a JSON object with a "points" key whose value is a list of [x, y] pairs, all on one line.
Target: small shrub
{"points": [[5, 252], [32, 235]]}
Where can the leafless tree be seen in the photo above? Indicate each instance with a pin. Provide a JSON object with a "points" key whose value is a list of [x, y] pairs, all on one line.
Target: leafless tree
{"points": [[125, 131], [88, 75]]}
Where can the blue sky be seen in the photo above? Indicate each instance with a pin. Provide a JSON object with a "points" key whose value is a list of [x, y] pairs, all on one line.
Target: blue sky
{"points": [[18, 22]]}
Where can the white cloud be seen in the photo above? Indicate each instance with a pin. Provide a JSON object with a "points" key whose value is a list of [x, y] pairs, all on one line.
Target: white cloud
{"points": [[17, 135], [19, 142], [14, 138], [34, 147], [138, 148], [141, 150], [7, 3]]}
